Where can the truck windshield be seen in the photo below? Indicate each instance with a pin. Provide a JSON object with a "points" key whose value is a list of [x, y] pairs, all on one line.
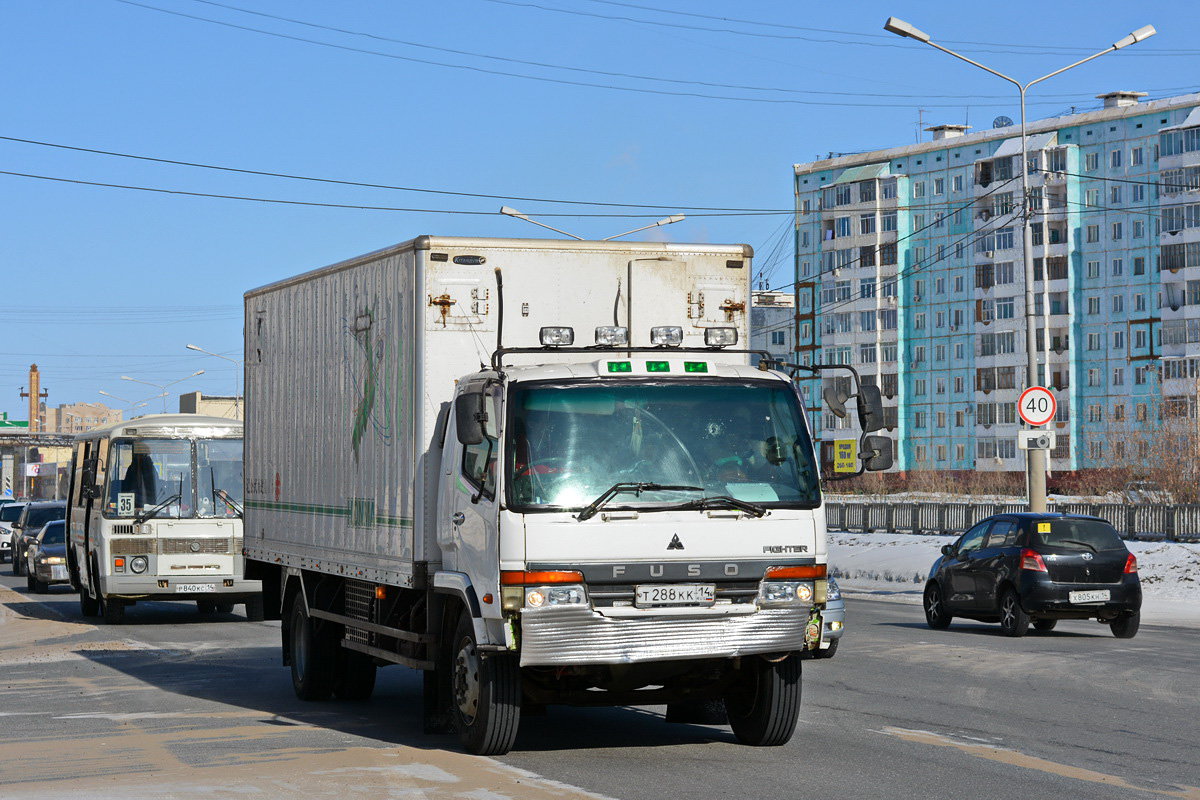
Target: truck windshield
{"points": [[189, 478], [569, 443]]}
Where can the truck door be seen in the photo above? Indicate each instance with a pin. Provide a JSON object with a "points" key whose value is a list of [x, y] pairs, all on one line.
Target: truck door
{"points": [[466, 521]]}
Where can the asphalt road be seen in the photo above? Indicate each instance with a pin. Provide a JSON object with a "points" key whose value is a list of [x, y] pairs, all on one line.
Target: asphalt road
{"points": [[174, 704]]}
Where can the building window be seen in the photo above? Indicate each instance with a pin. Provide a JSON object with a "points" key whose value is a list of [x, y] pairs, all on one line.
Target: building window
{"points": [[918, 189], [1093, 234], [1116, 231], [1091, 162], [1093, 269], [887, 221], [1135, 157], [1118, 266], [778, 337], [866, 223], [1093, 305], [1114, 159]]}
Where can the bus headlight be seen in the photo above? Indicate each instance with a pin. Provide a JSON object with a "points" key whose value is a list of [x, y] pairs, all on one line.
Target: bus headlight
{"points": [[138, 564]]}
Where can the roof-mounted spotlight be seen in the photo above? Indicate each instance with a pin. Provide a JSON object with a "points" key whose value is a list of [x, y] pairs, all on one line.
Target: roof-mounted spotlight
{"points": [[557, 336], [612, 336], [666, 336], [720, 337]]}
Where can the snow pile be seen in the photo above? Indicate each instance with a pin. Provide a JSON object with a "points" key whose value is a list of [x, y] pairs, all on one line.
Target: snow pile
{"points": [[896, 565]]}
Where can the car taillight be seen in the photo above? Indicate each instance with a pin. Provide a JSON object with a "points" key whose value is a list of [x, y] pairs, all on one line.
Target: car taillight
{"points": [[1032, 561], [1131, 565]]}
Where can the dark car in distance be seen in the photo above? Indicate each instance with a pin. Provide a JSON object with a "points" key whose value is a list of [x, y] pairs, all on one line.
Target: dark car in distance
{"points": [[29, 524], [46, 558], [1036, 568]]}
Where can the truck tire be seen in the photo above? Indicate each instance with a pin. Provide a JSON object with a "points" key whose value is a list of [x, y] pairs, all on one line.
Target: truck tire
{"points": [[255, 610], [113, 610], [356, 676], [486, 694], [764, 702], [313, 654]]}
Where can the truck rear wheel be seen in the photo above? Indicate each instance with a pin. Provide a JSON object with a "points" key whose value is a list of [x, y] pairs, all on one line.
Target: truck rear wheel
{"points": [[764, 702], [313, 654], [356, 676], [486, 694]]}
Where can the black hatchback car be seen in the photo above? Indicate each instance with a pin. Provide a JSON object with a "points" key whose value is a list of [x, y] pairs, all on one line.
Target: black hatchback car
{"points": [[1036, 568]]}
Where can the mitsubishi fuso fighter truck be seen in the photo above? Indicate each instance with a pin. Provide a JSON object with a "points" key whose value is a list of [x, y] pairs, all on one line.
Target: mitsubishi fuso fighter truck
{"points": [[542, 472]]}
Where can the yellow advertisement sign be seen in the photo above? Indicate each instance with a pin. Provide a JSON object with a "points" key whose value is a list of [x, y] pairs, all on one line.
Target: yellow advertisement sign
{"points": [[845, 455]]}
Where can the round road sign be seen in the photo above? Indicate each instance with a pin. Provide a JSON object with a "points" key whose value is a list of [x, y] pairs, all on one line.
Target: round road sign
{"points": [[1036, 405]]}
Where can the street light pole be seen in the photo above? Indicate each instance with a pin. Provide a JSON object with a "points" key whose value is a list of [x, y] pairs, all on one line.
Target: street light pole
{"points": [[237, 414], [1036, 460], [163, 386]]}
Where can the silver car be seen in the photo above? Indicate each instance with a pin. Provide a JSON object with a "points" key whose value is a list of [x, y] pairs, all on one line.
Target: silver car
{"points": [[834, 625]]}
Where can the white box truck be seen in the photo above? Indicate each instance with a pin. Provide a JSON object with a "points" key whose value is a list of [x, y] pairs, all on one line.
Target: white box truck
{"points": [[541, 471]]}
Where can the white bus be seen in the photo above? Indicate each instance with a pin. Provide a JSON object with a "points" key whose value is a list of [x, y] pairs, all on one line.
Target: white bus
{"points": [[155, 513]]}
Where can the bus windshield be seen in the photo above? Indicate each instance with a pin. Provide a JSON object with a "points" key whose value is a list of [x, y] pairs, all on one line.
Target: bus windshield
{"points": [[569, 443], [187, 478]]}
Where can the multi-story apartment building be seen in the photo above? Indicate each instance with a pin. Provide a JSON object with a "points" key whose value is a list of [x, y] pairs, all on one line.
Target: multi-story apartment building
{"points": [[909, 266]]}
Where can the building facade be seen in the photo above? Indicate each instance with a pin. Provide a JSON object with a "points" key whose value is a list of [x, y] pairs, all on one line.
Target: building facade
{"points": [[909, 267]]}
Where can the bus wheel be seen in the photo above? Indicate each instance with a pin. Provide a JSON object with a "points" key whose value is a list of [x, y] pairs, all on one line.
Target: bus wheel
{"points": [[313, 654], [486, 692], [255, 609], [224, 608], [88, 605], [113, 610]]}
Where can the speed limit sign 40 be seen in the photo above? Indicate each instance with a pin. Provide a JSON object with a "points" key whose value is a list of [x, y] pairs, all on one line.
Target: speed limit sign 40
{"points": [[1037, 405]]}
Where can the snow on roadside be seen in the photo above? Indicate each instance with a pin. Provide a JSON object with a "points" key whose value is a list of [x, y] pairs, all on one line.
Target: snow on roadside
{"points": [[897, 564]]}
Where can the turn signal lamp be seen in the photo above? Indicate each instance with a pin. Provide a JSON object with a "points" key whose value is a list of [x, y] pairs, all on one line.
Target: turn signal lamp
{"points": [[720, 337], [560, 336], [1032, 561], [800, 571], [612, 336], [666, 336]]}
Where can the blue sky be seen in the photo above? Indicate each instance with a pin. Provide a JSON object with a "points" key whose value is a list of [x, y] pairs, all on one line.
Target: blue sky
{"points": [[677, 106]]}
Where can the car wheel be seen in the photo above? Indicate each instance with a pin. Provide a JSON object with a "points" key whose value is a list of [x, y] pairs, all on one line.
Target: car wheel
{"points": [[935, 608], [764, 702], [1044, 625], [1126, 626], [486, 694], [29, 581], [1013, 619], [16, 564], [828, 652]]}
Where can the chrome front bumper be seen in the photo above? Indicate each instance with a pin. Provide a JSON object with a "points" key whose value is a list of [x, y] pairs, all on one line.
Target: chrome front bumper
{"points": [[579, 635]]}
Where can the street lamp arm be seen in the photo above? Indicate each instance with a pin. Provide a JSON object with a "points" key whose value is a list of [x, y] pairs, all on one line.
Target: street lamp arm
{"points": [[1139, 35]]}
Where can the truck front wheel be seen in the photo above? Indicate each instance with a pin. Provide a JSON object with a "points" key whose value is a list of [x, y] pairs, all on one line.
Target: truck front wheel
{"points": [[764, 701], [313, 654], [486, 694]]}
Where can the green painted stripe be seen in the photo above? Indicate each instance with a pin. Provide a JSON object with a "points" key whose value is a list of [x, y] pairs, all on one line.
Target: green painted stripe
{"points": [[326, 511]]}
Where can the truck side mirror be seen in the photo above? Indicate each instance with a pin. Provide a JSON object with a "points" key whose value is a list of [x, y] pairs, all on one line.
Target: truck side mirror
{"points": [[469, 417], [870, 408], [876, 453]]}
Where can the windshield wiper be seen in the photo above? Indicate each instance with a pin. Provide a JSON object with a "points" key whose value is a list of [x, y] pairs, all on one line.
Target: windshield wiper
{"points": [[1076, 541], [589, 511], [724, 501], [145, 515], [224, 497]]}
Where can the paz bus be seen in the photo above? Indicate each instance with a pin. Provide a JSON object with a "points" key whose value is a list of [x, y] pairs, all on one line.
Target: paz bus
{"points": [[154, 512]]}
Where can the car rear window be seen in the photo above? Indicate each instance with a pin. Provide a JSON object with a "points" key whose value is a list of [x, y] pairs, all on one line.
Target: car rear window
{"points": [[56, 533], [1077, 534], [40, 516]]}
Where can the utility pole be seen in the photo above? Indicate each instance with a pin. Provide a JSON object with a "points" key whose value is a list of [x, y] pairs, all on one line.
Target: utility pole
{"points": [[35, 394]]}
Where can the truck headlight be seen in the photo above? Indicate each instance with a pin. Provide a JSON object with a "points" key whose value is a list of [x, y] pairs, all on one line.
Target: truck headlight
{"points": [[138, 564], [779, 593], [566, 595]]}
